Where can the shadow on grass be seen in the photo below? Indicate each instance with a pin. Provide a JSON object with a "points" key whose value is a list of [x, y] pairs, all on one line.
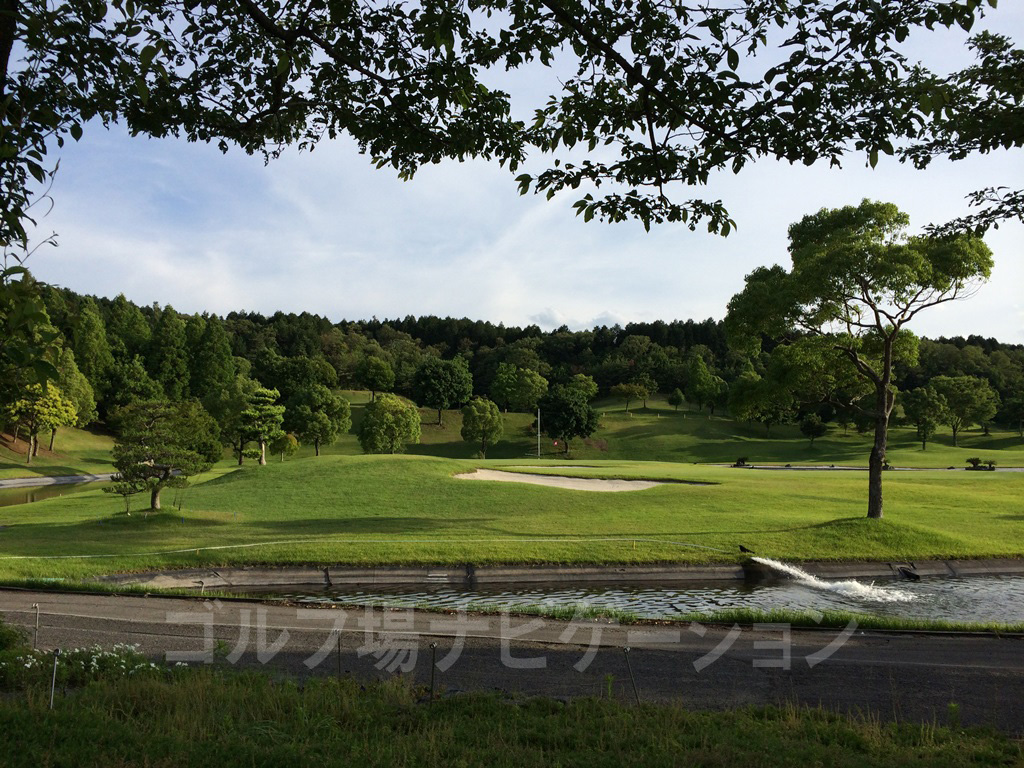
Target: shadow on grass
{"points": [[47, 470], [139, 533]]}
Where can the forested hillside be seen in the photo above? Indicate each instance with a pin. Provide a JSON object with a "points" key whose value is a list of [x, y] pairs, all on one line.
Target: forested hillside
{"points": [[116, 353]]}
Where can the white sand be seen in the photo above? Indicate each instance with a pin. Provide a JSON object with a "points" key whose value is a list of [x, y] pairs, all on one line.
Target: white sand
{"points": [[558, 481]]}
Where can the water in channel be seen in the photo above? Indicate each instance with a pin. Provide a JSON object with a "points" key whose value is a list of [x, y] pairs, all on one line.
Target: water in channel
{"points": [[972, 598], [12, 496]]}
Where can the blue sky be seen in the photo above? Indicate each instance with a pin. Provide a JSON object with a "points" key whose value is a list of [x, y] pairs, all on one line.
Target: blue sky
{"points": [[169, 222]]}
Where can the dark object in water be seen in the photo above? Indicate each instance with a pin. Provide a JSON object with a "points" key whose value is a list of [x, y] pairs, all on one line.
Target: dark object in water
{"points": [[744, 549], [906, 572]]}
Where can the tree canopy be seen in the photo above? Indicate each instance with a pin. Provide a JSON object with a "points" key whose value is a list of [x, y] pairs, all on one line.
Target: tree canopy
{"points": [[161, 444], [968, 400], [673, 92], [318, 416], [566, 414], [442, 384], [857, 281], [481, 423], [389, 424]]}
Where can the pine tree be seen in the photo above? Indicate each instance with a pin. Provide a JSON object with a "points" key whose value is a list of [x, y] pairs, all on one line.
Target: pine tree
{"points": [[128, 330], [213, 367], [168, 357], [91, 347], [130, 382], [160, 445], [261, 420], [76, 390]]}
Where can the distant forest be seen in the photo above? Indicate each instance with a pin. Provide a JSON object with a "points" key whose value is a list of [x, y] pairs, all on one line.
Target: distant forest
{"points": [[128, 351]]}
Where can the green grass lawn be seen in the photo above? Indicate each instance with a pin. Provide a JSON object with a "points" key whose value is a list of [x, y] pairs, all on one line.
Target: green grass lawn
{"points": [[409, 509], [660, 433], [344, 507], [75, 452], [200, 717]]}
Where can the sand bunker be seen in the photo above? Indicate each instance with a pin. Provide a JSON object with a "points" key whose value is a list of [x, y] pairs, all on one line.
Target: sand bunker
{"points": [[558, 481]]}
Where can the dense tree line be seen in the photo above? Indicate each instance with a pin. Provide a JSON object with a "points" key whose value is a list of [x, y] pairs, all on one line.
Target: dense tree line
{"points": [[116, 353]]}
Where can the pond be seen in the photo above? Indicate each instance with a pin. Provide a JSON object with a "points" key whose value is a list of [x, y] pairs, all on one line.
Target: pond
{"points": [[11, 496], [972, 598]]}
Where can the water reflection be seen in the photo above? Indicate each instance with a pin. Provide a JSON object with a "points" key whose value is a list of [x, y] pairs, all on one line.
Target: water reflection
{"points": [[11, 496], [974, 598]]}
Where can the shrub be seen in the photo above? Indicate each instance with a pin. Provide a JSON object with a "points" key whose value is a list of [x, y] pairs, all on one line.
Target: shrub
{"points": [[11, 637]]}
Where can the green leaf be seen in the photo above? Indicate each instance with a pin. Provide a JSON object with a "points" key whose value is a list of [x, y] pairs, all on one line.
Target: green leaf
{"points": [[146, 57], [143, 89], [733, 58]]}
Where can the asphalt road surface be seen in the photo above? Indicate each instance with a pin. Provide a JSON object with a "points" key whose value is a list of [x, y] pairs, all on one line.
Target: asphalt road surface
{"points": [[906, 677]]}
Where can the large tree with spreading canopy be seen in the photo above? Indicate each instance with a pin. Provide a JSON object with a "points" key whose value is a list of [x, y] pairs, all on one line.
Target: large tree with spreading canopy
{"points": [[856, 283]]}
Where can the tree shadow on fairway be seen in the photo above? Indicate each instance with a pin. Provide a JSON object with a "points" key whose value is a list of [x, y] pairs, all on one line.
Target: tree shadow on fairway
{"points": [[840, 521], [367, 524]]}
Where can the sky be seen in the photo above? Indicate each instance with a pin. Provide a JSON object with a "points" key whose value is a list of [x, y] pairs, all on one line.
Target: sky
{"points": [[182, 224]]}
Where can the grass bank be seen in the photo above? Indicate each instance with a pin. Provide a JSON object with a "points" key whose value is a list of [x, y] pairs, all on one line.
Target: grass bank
{"points": [[75, 452], [204, 718], [406, 509]]}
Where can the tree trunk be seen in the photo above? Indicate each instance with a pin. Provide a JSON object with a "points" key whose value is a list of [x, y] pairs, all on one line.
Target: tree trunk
{"points": [[875, 464], [31, 445], [439, 418], [8, 30], [154, 497], [956, 433], [263, 453], [316, 447], [35, 445], [53, 434]]}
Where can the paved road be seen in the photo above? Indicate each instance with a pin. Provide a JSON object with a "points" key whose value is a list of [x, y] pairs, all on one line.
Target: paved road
{"points": [[895, 676], [33, 482]]}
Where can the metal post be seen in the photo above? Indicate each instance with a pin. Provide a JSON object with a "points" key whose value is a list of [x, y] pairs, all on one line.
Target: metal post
{"points": [[339, 654], [433, 667], [53, 682], [35, 636], [632, 679]]}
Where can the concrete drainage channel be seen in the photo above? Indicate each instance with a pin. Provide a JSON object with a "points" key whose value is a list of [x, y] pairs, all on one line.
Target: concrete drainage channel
{"points": [[469, 575]]}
